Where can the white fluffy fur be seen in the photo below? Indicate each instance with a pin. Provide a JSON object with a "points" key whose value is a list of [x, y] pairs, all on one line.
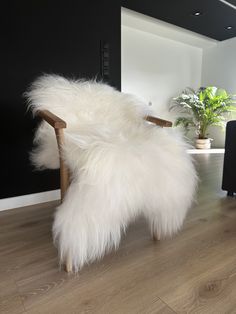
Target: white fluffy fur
{"points": [[122, 167]]}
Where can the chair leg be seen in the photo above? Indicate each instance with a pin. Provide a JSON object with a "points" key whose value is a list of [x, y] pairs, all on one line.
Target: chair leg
{"points": [[155, 236], [68, 264]]}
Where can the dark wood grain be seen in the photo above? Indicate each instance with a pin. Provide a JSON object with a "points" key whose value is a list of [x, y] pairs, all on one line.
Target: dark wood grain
{"points": [[158, 121]]}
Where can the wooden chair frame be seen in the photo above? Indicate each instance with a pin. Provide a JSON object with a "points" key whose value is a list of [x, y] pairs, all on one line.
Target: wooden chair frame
{"points": [[58, 124]]}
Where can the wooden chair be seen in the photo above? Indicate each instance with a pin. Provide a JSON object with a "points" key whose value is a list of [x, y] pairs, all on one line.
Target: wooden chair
{"points": [[58, 124]]}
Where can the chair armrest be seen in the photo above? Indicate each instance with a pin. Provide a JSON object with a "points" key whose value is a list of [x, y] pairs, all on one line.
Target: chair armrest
{"points": [[52, 119], [158, 121], [58, 123]]}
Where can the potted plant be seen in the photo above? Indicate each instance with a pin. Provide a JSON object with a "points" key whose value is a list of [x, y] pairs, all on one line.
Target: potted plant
{"points": [[202, 108]]}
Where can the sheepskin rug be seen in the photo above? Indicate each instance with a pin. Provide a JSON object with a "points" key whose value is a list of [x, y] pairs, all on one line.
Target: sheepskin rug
{"points": [[121, 166]]}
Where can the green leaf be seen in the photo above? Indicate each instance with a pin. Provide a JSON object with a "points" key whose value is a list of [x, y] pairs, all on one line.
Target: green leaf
{"points": [[204, 107]]}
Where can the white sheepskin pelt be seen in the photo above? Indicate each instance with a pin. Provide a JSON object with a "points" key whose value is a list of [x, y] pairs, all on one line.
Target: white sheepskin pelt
{"points": [[122, 167]]}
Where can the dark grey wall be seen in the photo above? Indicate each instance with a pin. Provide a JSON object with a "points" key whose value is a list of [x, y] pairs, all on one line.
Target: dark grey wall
{"points": [[40, 36]]}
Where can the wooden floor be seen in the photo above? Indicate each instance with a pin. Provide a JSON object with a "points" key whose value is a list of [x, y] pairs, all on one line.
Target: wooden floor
{"points": [[195, 272]]}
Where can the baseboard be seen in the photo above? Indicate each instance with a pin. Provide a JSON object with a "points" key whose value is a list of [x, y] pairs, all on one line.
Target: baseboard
{"points": [[31, 199]]}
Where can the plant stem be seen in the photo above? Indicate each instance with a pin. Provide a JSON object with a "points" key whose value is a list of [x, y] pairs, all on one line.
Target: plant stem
{"points": [[203, 129]]}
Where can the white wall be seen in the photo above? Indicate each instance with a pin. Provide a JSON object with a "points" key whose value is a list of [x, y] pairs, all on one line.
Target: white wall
{"points": [[159, 60], [219, 65], [157, 69], [219, 69]]}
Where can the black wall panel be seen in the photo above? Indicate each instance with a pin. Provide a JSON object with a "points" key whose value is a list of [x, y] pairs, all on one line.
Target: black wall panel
{"points": [[43, 36]]}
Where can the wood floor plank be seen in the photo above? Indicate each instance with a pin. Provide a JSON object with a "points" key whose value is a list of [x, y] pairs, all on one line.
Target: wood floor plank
{"points": [[194, 272], [134, 305], [10, 300]]}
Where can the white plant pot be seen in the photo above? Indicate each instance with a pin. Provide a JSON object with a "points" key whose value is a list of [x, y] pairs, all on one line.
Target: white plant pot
{"points": [[203, 143]]}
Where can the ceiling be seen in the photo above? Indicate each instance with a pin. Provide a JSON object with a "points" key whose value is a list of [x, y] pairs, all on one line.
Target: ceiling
{"points": [[214, 18]]}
